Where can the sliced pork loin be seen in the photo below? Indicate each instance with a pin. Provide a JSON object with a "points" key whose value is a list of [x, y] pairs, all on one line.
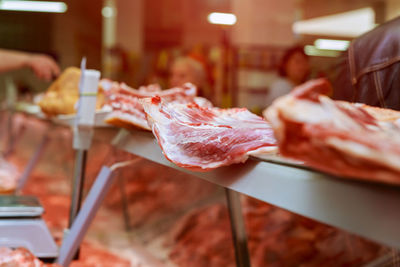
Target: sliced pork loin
{"points": [[341, 138], [201, 138]]}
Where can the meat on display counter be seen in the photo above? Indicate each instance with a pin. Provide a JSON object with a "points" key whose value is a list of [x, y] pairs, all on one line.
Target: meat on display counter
{"points": [[366, 209]]}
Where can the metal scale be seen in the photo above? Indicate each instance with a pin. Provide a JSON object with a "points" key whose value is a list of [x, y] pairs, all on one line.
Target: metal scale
{"points": [[21, 224]]}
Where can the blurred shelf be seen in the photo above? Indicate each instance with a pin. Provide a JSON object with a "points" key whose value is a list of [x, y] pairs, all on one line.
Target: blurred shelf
{"points": [[67, 120], [367, 209]]}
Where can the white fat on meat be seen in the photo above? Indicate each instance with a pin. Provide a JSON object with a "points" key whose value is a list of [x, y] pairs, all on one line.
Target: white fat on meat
{"points": [[206, 138], [335, 136], [135, 119], [127, 111]]}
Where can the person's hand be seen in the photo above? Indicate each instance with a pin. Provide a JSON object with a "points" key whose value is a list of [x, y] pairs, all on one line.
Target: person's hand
{"points": [[43, 66]]}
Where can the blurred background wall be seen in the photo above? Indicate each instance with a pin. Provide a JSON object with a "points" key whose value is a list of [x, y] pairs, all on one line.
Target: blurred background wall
{"points": [[136, 41]]}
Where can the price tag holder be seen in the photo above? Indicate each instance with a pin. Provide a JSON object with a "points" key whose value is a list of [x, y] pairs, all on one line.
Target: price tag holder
{"points": [[87, 98], [85, 117]]}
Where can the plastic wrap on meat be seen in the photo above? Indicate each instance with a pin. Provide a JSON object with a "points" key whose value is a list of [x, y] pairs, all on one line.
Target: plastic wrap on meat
{"points": [[201, 139], [340, 138]]}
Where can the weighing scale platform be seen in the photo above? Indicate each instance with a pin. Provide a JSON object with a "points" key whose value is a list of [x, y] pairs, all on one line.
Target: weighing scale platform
{"points": [[21, 225], [20, 206]]}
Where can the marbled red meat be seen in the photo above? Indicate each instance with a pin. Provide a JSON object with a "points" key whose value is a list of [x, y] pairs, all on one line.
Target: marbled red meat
{"points": [[127, 108], [337, 137], [200, 138]]}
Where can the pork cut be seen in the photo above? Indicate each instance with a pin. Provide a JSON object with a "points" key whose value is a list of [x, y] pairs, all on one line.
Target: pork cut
{"points": [[200, 138], [341, 138], [127, 110]]}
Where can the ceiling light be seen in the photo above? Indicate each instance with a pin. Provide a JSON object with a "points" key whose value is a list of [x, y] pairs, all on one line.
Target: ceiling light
{"points": [[311, 50], [347, 24], [107, 12], [33, 6], [327, 44], [222, 18]]}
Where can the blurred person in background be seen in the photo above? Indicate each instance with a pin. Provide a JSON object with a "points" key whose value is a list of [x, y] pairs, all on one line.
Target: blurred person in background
{"points": [[187, 69], [294, 69], [369, 72], [44, 67]]}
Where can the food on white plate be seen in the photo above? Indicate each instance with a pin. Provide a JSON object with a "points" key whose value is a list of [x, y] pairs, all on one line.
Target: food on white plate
{"points": [[63, 93], [128, 111], [201, 138], [341, 138]]}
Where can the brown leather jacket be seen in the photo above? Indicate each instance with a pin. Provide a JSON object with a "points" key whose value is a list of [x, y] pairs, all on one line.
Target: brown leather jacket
{"points": [[370, 71]]}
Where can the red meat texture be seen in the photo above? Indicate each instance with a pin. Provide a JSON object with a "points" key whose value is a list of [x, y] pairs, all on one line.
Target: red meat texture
{"points": [[337, 137], [127, 110], [275, 238], [201, 138]]}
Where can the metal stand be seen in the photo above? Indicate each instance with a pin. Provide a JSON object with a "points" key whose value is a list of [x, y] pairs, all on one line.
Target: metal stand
{"points": [[85, 216], [83, 132], [77, 185], [77, 188], [239, 235], [124, 202]]}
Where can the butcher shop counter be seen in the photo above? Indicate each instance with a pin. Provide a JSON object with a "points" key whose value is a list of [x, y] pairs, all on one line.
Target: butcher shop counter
{"points": [[366, 209]]}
